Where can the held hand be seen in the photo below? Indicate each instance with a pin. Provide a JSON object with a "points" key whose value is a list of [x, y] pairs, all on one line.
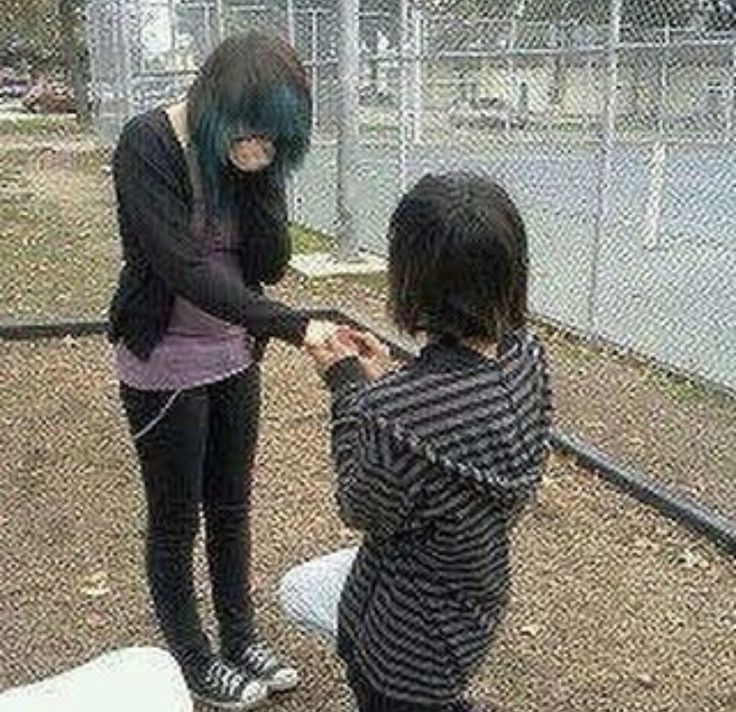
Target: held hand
{"points": [[330, 351], [372, 354], [328, 344], [318, 332], [367, 344], [320, 342]]}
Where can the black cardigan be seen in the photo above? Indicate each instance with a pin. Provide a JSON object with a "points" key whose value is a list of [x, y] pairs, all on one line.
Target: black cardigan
{"points": [[162, 257]]}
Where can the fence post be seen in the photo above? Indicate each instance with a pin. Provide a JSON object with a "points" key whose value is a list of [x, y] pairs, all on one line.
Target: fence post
{"points": [[220, 12], [418, 75], [290, 24], [731, 92], [510, 74], [608, 139], [348, 149], [653, 225], [405, 112], [291, 185], [591, 92], [656, 188], [125, 66], [172, 30], [314, 58], [663, 83]]}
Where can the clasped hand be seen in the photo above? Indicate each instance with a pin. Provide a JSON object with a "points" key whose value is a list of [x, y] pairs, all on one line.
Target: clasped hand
{"points": [[329, 343]]}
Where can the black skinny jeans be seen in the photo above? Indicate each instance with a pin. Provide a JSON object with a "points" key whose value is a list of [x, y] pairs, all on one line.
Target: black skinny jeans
{"points": [[198, 456]]}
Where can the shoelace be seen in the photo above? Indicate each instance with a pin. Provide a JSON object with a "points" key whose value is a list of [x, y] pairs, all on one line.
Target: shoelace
{"points": [[260, 656], [224, 677]]}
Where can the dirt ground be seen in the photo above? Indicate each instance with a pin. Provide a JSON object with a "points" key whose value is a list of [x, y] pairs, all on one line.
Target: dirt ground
{"points": [[615, 609]]}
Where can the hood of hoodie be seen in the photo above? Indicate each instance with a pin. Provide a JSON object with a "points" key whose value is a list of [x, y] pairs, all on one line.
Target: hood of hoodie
{"points": [[487, 419]]}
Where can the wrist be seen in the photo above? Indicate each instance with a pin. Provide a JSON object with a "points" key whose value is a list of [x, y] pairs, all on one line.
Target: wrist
{"points": [[347, 370]]}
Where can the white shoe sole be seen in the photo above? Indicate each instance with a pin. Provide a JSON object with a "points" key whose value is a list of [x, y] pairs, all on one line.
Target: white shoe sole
{"points": [[283, 681], [256, 700]]}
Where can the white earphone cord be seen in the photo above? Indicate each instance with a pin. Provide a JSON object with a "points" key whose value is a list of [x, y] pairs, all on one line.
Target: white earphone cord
{"points": [[150, 426]]}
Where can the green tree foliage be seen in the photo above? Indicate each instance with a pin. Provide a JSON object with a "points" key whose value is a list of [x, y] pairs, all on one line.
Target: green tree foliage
{"points": [[29, 33]]}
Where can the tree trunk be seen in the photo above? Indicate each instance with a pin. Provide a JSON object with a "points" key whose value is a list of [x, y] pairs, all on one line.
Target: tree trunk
{"points": [[71, 49]]}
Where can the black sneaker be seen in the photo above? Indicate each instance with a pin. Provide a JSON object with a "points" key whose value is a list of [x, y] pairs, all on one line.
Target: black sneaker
{"points": [[259, 660], [218, 684]]}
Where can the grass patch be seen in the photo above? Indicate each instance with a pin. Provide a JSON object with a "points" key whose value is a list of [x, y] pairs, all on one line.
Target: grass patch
{"points": [[678, 388], [376, 281], [42, 126], [57, 255], [308, 241], [688, 392]]}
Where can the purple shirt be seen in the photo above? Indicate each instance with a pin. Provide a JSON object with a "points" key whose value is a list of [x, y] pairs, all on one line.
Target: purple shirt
{"points": [[197, 348]]}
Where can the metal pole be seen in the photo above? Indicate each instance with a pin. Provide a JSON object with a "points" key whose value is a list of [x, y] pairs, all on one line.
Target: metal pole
{"points": [[662, 95], [315, 67], [510, 75], [608, 140], [220, 11], [659, 157], [292, 189], [405, 118], [348, 130], [172, 32], [290, 23], [588, 94], [125, 65], [656, 188], [731, 93], [417, 88]]}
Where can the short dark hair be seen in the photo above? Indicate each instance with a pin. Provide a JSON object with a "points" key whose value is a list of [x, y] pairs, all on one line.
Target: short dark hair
{"points": [[254, 81], [458, 260]]}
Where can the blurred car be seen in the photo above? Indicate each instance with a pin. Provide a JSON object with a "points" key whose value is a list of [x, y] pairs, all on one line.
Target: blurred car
{"points": [[48, 97], [486, 113], [13, 85]]}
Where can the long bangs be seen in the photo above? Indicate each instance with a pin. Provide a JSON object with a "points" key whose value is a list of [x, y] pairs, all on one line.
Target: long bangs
{"points": [[283, 114], [252, 83]]}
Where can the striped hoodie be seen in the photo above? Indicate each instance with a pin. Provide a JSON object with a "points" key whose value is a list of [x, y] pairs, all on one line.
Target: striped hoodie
{"points": [[433, 463]]}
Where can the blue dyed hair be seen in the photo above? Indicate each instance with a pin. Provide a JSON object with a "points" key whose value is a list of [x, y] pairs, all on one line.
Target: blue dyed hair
{"points": [[252, 83]]}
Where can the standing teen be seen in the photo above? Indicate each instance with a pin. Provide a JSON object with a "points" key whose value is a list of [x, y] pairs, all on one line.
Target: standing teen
{"points": [[202, 215]]}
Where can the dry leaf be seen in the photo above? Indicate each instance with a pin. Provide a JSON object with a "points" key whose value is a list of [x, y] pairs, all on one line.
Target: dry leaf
{"points": [[95, 585], [644, 679], [95, 620], [532, 630], [690, 560]]}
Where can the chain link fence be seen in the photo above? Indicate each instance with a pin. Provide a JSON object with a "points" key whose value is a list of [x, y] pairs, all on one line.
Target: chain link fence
{"points": [[614, 134]]}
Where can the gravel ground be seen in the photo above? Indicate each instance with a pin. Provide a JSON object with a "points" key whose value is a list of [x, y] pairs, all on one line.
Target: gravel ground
{"points": [[615, 608]]}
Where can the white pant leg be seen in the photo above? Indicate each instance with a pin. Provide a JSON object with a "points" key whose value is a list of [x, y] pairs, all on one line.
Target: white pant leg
{"points": [[128, 680], [309, 593]]}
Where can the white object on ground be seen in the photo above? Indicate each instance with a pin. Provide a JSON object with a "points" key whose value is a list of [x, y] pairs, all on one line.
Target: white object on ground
{"points": [[310, 593], [325, 264], [141, 679]]}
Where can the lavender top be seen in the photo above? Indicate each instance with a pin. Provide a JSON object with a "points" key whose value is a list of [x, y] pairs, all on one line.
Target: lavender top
{"points": [[197, 348]]}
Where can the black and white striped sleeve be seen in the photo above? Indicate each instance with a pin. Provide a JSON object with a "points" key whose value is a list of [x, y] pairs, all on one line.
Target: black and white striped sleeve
{"points": [[373, 469]]}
